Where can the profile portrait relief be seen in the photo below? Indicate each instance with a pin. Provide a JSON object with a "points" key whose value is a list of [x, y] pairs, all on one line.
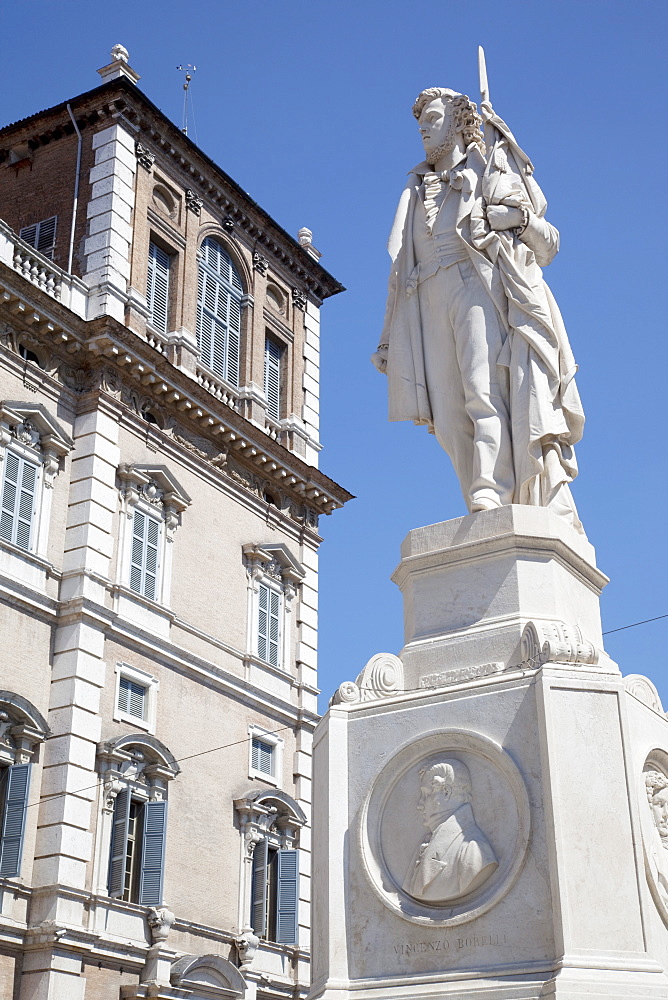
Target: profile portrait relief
{"points": [[455, 858], [656, 786]]}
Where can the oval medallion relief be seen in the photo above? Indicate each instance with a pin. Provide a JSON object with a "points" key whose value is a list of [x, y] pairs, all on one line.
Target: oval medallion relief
{"points": [[445, 828]]}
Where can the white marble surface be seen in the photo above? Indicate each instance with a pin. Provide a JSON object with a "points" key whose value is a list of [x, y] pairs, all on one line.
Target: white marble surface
{"points": [[549, 807]]}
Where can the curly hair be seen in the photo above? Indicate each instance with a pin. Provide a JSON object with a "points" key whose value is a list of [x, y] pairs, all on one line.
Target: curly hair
{"points": [[449, 773], [465, 113], [655, 781]]}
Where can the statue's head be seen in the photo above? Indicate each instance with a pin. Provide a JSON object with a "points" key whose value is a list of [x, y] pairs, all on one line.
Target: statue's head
{"points": [[444, 118], [444, 787], [656, 785]]}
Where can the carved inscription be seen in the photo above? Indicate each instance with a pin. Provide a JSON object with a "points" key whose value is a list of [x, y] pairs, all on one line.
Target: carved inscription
{"points": [[406, 949]]}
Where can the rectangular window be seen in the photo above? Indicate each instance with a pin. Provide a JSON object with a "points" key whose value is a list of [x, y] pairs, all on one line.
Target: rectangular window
{"points": [[275, 893], [19, 487], [144, 563], [41, 235], [132, 698], [272, 377], [157, 287], [137, 850], [269, 625], [262, 756], [14, 790]]}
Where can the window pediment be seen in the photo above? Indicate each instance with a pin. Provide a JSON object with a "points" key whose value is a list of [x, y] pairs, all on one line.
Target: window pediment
{"points": [[22, 729], [32, 426], [154, 484], [273, 559]]}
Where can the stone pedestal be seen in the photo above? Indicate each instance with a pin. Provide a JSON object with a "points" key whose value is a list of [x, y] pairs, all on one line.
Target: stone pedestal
{"points": [[481, 821]]}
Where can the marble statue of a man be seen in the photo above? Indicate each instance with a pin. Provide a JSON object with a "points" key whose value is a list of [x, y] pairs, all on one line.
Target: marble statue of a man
{"points": [[473, 344], [457, 858]]}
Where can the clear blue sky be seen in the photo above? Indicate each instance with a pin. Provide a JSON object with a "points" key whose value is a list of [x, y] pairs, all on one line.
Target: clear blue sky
{"points": [[306, 103]]}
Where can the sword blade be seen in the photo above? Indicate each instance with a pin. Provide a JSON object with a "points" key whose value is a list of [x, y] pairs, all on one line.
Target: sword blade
{"points": [[482, 74]]}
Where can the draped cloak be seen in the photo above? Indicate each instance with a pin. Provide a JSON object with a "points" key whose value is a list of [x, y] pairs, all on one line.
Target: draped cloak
{"points": [[545, 410]]}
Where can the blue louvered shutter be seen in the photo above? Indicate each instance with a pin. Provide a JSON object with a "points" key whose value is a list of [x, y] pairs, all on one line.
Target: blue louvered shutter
{"points": [[287, 897], [272, 377], [269, 625], [144, 555], [157, 287], [153, 853], [19, 488], [259, 888], [119, 844], [14, 819], [262, 756], [131, 697]]}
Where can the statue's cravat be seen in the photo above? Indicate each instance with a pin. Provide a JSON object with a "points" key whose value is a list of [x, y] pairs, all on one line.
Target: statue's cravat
{"points": [[432, 189]]}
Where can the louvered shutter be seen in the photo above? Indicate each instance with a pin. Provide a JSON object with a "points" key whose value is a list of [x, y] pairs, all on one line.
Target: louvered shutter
{"points": [[234, 340], [262, 756], [259, 888], [153, 853], [157, 287], [119, 844], [219, 292], [272, 378], [131, 697], [41, 235], [273, 653], [263, 623], [14, 819], [18, 500], [144, 555], [287, 897]]}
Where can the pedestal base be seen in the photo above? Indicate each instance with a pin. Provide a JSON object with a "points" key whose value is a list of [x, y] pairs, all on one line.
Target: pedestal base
{"points": [[481, 824]]}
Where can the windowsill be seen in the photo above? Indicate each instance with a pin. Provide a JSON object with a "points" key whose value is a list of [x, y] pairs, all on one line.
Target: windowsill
{"points": [[25, 567], [141, 610], [268, 778], [133, 720], [255, 661]]}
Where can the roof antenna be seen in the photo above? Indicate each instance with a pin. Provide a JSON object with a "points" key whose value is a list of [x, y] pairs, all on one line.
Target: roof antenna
{"points": [[188, 69]]}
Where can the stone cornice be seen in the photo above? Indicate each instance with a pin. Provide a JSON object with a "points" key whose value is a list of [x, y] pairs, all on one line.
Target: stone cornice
{"points": [[121, 100], [101, 356]]}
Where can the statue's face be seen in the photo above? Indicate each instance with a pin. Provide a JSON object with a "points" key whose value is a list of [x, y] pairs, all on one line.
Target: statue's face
{"points": [[436, 125], [660, 811], [435, 802]]}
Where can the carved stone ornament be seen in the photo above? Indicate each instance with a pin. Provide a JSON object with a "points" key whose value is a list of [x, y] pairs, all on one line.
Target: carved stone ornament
{"points": [[22, 729], [159, 920], [382, 677], [228, 224], [247, 944], [193, 203], [445, 828], [460, 675], [642, 688], [299, 299], [33, 427], [274, 560], [145, 157], [157, 486], [653, 793], [260, 263], [555, 642]]}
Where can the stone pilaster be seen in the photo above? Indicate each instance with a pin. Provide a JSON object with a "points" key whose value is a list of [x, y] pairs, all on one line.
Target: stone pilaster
{"points": [[107, 247]]}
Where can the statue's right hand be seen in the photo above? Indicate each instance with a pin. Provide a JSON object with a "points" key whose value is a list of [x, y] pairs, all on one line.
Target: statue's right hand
{"points": [[379, 359]]}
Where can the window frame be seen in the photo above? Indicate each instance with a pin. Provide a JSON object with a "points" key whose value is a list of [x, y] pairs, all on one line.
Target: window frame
{"points": [[271, 565], [141, 767], [256, 732], [206, 355], [28, 431], [150, 683], [274, 411], [155, 493]]}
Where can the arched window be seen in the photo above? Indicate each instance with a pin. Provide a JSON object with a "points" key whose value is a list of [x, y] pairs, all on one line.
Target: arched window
{"points": [[219, 292]]}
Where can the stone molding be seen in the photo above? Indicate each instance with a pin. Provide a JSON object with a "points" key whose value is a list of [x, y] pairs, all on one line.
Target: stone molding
{"points": [[555, 642], [382, 677]]}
